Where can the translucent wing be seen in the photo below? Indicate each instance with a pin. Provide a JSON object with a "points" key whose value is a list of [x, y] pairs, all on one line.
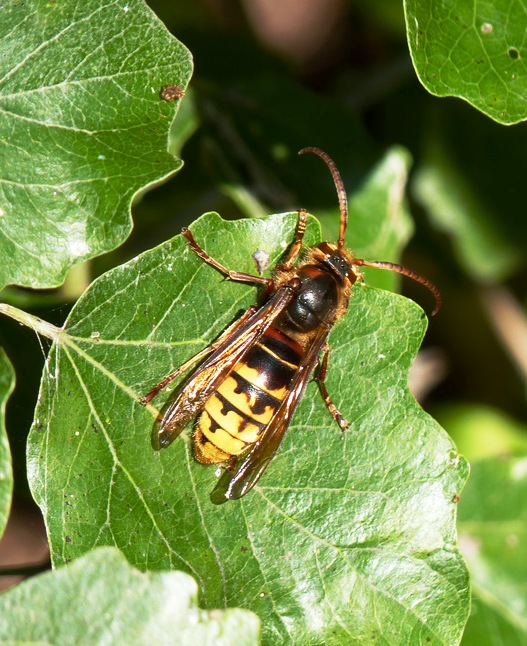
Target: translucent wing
{"points": [[232, 487], [232, 345]]}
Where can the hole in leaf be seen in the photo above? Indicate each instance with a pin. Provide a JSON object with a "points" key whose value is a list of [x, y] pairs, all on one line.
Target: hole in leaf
{"points": [[514, 53]]}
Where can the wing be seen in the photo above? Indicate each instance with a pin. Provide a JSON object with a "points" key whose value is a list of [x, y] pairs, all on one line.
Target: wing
{"points": [[232, 487], [232, 345]]}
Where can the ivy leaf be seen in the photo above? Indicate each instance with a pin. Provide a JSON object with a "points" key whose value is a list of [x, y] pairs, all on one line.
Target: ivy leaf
{"points": [[347, 537], [116, 604], [475, 51], [7, 383], [493, 535], [83, 128]]}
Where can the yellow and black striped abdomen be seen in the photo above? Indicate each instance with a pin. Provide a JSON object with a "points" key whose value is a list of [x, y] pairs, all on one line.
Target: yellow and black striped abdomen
{"points": [[245, 402]]}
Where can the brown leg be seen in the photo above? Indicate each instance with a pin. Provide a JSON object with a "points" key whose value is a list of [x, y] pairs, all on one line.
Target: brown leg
{"points": [[233, 275], [146, 399], [197, 357], [297, 244], [337, 416]]}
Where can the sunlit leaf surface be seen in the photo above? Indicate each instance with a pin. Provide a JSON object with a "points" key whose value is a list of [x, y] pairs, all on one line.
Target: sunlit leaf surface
{"points": [[347, 538]]}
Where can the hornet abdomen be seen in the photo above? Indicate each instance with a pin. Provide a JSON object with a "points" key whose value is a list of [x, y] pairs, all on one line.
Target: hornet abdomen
{"points": [[234, 417]]}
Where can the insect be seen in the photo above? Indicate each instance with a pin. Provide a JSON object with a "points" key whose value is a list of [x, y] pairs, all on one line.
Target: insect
{"points": [[171, 92], [251, 379]]}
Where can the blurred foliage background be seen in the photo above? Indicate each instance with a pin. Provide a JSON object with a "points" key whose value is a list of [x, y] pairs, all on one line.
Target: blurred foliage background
{"points": [[271, 78]]}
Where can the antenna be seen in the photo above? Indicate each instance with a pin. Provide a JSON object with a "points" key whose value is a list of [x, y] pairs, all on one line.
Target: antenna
{"points": [[378, 264], [405, 271], [339, 185]]}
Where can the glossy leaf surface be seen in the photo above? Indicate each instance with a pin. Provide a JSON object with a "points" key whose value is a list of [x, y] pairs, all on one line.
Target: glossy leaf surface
{"points": [[475, 51], [348, 536], [83, 128], [76, 605]]}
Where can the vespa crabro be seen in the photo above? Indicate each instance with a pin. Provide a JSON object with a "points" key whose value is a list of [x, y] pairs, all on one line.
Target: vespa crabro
{"points": [[251, 379]]}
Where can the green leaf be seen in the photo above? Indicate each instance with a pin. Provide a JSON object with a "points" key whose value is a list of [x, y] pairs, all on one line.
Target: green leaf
{"points": [[7, 383], [100, 599], [480, 431], [470, 181], [347, 538], [475, 51], [380, 223], [83, 128], [493, 537]]}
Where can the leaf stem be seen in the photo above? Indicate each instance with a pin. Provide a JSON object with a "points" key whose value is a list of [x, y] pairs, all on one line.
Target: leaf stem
{"points": [[34, 322]]}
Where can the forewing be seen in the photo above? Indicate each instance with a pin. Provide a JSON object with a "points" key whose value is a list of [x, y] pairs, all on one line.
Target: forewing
{"points": [[205, 379], [232, 487]]}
